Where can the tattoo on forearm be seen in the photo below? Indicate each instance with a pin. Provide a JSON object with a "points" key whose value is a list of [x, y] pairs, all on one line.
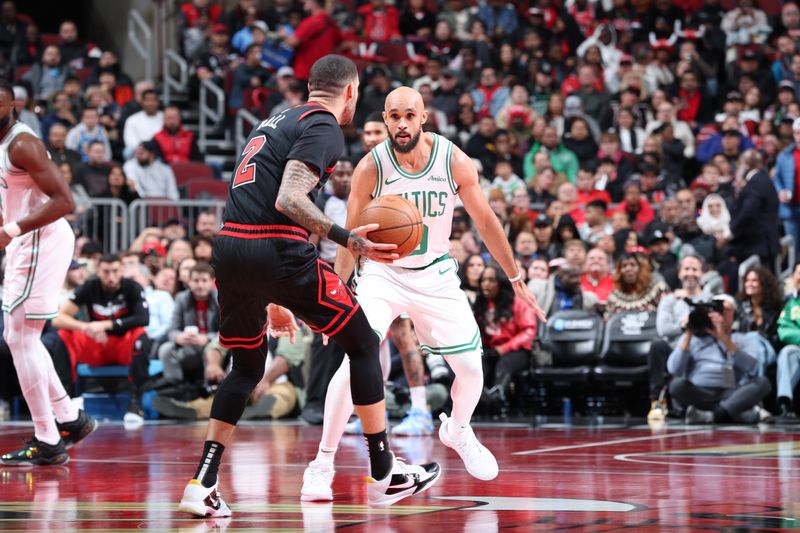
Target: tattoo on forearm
{"points": [[293, 198], [413, 367], [358, 244]]}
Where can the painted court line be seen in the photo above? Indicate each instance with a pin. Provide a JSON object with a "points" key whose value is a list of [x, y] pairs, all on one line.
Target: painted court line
{"points": [[610, 442]]}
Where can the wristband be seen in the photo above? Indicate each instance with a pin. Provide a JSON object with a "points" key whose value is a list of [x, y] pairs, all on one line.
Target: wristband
{"points": [[12, 230], [339, 235], [516, 278]]}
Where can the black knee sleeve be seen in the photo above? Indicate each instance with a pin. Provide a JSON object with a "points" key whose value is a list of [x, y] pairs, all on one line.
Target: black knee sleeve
{"points": [[139, 372], [235, 389], [362, 345]]}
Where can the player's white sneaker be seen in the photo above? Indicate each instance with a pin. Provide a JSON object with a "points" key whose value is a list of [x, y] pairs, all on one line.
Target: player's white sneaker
{"points": [[317, 481], [201, 501], [403, 481], [478, 460]]}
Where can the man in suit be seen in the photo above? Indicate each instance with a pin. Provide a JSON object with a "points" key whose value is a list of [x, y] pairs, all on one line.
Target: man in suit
{"points": [[754, 225]]}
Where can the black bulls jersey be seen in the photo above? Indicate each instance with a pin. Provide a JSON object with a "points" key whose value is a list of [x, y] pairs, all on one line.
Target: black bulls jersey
{"points": [[307, 133]]}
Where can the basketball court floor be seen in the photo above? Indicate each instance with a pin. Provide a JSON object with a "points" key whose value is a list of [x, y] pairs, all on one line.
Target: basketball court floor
{"points": [[553, 477]]}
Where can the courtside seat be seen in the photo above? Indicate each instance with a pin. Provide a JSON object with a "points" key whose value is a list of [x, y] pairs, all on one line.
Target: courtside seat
{"points": [[626, 344], [574, 339], [113, 405]]}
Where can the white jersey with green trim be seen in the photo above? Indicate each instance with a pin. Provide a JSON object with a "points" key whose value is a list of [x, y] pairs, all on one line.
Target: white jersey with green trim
{"points": [[20, 195], [433, 190]]}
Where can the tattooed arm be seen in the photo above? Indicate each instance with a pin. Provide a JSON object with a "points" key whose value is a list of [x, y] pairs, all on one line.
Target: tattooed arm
{"points": [[293, 201]]}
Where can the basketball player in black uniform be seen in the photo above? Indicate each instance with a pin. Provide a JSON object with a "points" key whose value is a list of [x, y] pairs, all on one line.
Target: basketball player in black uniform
{"points": [[262, 256]]}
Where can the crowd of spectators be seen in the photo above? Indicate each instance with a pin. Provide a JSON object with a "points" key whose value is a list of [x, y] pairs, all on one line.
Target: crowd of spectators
{"points": [[635, 152]]}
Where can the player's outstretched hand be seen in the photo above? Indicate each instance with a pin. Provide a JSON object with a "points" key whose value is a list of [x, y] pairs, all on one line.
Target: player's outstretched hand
{"points": [[281, 322], [361, 245], [521, 290]]}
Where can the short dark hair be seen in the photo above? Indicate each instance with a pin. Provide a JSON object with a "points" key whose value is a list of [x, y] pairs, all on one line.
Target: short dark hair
{"points": [[197, 239], [109, 258], [201, 267], [331, 73], [599, 204], [149, 92]]}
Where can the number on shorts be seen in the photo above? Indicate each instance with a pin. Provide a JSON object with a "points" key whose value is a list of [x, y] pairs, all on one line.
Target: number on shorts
{"points": [[246, 171], [423, 243]]}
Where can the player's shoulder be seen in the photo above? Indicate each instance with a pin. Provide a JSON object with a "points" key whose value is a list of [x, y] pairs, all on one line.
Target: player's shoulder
{"points": [[130, 286]]}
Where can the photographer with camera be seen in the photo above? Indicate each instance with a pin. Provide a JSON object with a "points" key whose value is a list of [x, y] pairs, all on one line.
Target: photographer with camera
{"points": [[710, 370], [671, 318]]}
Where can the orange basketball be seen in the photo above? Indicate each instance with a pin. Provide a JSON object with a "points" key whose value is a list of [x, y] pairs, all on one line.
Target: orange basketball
{"points": [[399, 223]]}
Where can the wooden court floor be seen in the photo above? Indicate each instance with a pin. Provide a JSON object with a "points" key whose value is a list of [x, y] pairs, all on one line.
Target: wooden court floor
{"points": [[552, 478]]}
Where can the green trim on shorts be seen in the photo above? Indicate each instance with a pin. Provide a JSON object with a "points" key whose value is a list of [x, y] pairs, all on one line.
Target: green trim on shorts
{"points": [[379, 182], [448, 161], [470, 346], [26, 291], [41, 316]]}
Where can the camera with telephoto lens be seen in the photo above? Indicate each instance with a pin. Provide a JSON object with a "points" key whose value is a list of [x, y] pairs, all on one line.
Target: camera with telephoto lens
{"points": [[699, 320]]}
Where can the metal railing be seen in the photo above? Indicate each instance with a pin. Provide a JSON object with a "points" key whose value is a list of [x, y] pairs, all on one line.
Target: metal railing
{"points": [[171, 83], [787, 244], [141, 38], [105, 221], [245, 121], [148, 212], [211, 115]]}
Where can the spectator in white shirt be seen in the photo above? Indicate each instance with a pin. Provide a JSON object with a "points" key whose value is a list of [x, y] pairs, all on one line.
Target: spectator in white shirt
{"points": [[153, 178], [143, 126]]}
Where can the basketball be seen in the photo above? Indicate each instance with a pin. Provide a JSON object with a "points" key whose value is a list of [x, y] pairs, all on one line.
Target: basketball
{"points": [[399, 223]]}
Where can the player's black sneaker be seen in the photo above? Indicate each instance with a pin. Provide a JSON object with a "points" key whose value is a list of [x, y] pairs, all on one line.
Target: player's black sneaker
{"points": [[403, 481], [77, 430], [36, 453]]}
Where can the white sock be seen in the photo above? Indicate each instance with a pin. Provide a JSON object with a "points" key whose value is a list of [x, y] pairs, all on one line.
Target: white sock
{"points": [[418, 400], [467, 386], [325, 455], [31, 359], [65, 410]]}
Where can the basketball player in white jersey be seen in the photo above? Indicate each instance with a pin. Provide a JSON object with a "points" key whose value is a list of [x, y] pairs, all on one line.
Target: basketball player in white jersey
{"points": [[430, 171], [39, 245]]}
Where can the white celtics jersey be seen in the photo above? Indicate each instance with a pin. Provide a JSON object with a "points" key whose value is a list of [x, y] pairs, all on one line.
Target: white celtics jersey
{"points": [[18, 192], [433, 190]]}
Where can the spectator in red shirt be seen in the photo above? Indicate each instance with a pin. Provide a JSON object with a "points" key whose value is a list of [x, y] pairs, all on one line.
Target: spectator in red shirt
{"points": [[636, 206], [316, 36], [176, 143], [597, 278], [192, 12], [381, 22]]}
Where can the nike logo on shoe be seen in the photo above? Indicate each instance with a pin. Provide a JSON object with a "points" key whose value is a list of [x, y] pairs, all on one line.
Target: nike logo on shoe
{"points": [[402, 482], [212, 500]]}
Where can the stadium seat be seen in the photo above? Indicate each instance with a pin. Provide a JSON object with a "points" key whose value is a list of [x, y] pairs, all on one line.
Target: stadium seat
{"points": [[49, 39], [20, 71], [625, 347], [207, 188], [113, 404], [157, 215], [573, 338], [186, 171]]}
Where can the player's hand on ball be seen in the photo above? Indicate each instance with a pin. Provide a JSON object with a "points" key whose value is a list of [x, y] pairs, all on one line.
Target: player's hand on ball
{"points": [[361, 245], [281, 322], [522, 291]]}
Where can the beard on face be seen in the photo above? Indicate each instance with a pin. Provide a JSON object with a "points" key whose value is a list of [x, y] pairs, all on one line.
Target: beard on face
{"points": [[5, 121], [406, 148]]}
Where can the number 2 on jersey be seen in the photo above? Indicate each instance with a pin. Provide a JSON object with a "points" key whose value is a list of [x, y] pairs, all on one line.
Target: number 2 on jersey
{"points": [[246, 171]]}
